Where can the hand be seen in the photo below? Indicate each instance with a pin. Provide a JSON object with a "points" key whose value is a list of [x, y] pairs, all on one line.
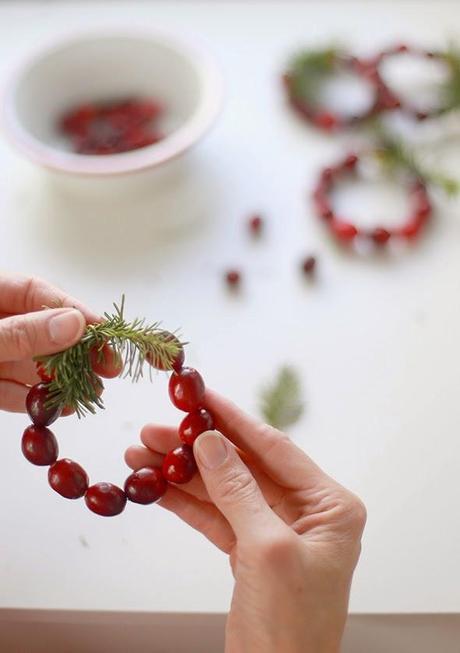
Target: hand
{"points": [[27, 330], [292, 533]]}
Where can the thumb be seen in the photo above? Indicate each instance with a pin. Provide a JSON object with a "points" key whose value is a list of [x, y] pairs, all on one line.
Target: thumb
{"points": [[231, 486], [39, 333]]}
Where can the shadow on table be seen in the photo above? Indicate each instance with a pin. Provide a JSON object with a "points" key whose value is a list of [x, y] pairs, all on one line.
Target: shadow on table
{"points": [[43, 631]]}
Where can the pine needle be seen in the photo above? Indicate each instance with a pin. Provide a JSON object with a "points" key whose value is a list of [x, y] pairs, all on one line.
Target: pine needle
{"points": [[75, 384], [281, 402]]}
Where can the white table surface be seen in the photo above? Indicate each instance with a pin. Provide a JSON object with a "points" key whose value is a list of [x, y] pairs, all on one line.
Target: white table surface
{"points": [[376, 341]]}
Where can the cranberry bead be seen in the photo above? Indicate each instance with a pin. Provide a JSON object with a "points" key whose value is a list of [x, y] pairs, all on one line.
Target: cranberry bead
{"points": [[326, 120], [105, 499], [350, 162], [344, 231], [186, 389], [380, 236], [39, 445], [146, 485], [178, 360], [68, 479], [35, 404], [179, 465], [194, 424], [43, 374], [106, 362]]}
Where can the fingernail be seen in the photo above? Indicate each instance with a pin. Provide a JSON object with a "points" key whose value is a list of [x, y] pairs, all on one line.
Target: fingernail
{"points": [[211, 449], [65, 327]]}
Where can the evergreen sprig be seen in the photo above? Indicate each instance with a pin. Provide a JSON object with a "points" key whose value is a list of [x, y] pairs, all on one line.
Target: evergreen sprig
{"points": [[281, 402], [307, 70], [77, 386]]}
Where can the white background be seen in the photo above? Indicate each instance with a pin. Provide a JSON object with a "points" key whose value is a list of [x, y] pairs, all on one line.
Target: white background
{"points": [[376, 339]]}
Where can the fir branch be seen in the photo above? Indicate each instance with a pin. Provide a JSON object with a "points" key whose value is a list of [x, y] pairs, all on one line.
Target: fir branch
{"points": [[450, 91], [76, 385], [307, 70], [281, 402]]}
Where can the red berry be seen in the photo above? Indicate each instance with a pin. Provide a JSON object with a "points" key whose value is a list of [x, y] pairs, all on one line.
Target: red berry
{"points": [[179, 359], [309, 265], [256, 224], [400, 49], [186, 389], [380, 236], [233, 278], [194, 424], [326, 178], [411, 230], [105, 499], [179, 465], [106, 362], [350, 162], [78, 120], [146, 485], [68, 479], [326, 120], [39, 445], [344, 231], [43, 374], [35, 404]]}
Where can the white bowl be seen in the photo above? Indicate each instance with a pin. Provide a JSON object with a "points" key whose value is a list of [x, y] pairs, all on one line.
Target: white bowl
{"points": [[97, 67]]}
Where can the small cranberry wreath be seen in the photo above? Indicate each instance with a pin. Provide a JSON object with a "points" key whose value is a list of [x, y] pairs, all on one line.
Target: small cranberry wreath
{"points": [[344, 230], [70, 379], [309, 69]]}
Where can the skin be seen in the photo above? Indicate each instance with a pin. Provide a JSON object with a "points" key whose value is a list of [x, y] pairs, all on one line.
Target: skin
{"points": [[292, 534], [25, 332]]}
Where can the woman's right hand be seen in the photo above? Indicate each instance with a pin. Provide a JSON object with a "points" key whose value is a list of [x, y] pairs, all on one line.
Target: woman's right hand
{"points": [[292, 533]]}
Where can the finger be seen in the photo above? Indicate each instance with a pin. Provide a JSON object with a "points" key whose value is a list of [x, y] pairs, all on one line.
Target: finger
{"points": [[283, 461], [20, 294], [203, 517], [137, 457], [39, 333], [13, 396], [232, 487], [21, 371], [164, 438]]}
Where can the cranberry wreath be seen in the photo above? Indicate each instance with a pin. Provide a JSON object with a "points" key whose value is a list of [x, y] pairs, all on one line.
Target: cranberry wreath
{"points": [[69, 379]]}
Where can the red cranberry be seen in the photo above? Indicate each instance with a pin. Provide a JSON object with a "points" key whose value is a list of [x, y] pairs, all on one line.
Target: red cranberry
{"points": [[344, 231], [256, 224], [309, 265], [186, 389], [68, 479], [179, 465], [106, 362], [78, 120], [35, 404], [178, 361], [43, 374], [400, 49], [380, 236], [39, 445], [326, 177], [233, 278], [350, 162], [326, 120], [411, 230], [145, 485], [105, 499], [194, 424]]}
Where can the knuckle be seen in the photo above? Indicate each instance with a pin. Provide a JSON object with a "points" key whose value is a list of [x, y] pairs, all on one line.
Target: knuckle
{"points": [[237, 486], [31, 286], [355, 512], [20, 336]]}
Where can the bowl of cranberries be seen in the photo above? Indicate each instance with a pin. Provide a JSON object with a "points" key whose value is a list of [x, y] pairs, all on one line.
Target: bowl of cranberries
{"points": [[104, 105]]}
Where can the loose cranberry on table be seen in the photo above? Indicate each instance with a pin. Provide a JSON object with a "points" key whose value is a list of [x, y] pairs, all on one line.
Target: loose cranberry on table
{"points": [[68, 479], [179, 465], [145, 485], [194, 424], [105, 499], [36, 401], [186, 389], [39, 445]]}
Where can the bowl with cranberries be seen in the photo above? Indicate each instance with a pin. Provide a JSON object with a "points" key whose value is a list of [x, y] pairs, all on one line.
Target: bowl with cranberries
{"points": [[108, 105]]}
